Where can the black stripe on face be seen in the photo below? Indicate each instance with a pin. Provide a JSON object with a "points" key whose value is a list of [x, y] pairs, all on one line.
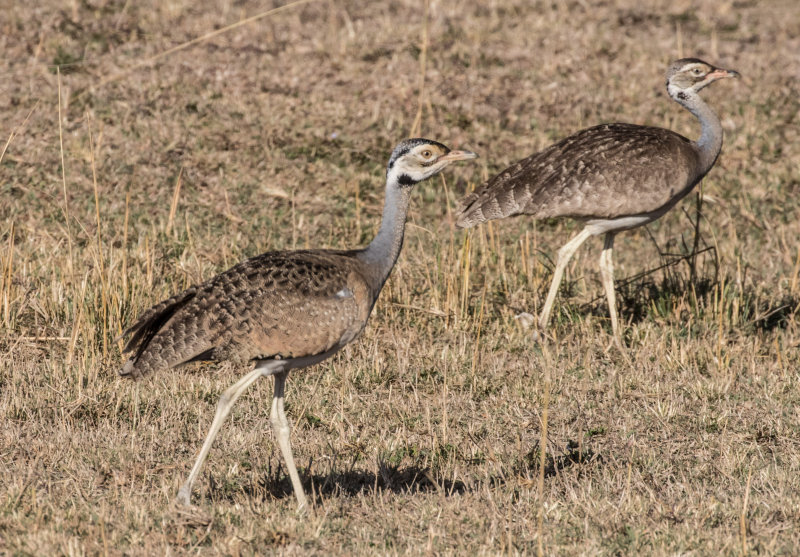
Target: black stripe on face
{"points": [[405, 180]]}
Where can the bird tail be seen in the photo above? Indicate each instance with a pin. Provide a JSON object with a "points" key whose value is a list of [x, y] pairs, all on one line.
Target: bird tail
{"points": [[129, 369], [142, 332]]}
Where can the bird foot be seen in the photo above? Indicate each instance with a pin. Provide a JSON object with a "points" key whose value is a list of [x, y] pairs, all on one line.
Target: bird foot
{"points": [[525, 320], [616, 343], [184, 497], [190, 515], [303, 510]]}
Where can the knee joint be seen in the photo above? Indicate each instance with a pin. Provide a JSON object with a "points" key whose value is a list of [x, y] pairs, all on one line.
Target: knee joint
{"points": [[224, 400]]}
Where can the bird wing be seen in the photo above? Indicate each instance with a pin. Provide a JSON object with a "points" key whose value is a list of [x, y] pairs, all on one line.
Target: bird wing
{"points": [[607, 171], [277, 305]]}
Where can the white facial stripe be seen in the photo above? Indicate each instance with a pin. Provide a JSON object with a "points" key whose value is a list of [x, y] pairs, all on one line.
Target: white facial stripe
{"points": [[691, 67], [423, 149]]}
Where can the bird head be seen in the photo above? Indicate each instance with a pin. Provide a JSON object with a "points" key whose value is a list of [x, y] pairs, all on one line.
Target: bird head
{"points": [[689, 75], [415, 160]]}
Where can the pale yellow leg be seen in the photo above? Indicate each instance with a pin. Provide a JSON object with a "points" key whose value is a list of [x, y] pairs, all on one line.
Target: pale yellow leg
{"points": [[226, 402], [564, 255], [607, 273], [280, 425]]}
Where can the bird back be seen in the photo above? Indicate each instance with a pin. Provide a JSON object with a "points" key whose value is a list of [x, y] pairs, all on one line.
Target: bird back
{"points": [[607, 171]]}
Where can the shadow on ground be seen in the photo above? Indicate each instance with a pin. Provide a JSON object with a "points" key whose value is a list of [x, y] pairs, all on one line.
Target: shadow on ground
{"points": [[640, 297], [574, 455], [275, 483], [401, 480]]}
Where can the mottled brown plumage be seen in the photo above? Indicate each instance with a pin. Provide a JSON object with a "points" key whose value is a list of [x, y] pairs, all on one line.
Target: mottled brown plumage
{"points": [[282, 310], [607, 171], [614, 176], [278, 305]]}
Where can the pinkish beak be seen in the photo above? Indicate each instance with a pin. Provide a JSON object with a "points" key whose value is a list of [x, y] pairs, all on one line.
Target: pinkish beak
{"points": [[720, 73], [458, 156]]}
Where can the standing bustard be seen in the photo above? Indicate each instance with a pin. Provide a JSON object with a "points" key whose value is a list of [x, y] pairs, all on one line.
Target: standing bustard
{"points": [[613, 176], [282, 310]]}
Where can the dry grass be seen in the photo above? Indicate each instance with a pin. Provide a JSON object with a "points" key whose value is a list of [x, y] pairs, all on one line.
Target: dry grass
{"points": [[423, 436]]}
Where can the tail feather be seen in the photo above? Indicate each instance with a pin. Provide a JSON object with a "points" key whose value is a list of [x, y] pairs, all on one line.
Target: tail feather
{"points": [[129, 369], [155, 317], [148, 325]]}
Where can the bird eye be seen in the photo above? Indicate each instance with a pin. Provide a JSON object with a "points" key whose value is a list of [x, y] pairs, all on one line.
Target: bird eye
{"points": [[697, 71], [426, 154]]}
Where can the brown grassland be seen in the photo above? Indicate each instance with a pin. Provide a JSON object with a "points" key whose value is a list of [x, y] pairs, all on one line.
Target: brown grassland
{"points": [[423, 436]]}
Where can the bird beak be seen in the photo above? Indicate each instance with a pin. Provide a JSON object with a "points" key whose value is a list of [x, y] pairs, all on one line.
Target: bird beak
{"points": [[458, 156], [720, 73]]}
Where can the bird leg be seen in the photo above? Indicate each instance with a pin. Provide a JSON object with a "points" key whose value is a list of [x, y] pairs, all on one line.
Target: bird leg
{"points": [[607, 272], [564, 255], [224, 406], [280, 425]]}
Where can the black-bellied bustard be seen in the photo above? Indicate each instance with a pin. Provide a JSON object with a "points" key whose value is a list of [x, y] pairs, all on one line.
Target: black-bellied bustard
{"points": [[282, 310], [613, 176]]}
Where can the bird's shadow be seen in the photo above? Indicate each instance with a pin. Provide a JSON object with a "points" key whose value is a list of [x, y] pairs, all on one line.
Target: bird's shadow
{"points": [[573, 455], [637, 295], [693, 280], [274, 483], [754, 312]]}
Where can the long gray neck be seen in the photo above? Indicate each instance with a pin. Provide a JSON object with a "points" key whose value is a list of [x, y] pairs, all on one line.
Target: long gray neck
{"points": [[381, 254], [710, 142]]}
